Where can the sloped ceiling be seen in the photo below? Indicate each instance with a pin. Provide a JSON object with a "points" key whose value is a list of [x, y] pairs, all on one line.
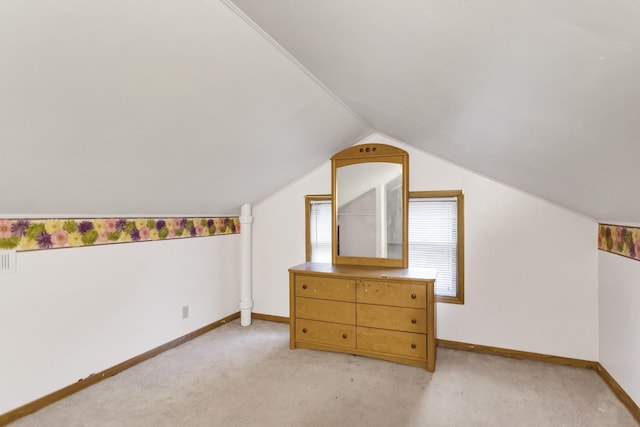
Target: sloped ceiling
{"points": [[152, 107], [542, 95], [186, 107]]}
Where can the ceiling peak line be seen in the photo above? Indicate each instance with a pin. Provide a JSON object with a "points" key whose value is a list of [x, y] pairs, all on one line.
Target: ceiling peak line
{"points": [[235, 9]]}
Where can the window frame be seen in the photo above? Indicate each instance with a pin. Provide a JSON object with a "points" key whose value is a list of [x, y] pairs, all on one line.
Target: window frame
{"points": [[458, 194], [308, 200]]}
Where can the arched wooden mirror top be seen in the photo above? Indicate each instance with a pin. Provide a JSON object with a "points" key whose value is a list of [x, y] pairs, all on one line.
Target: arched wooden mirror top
{"points": [[370, 196]]}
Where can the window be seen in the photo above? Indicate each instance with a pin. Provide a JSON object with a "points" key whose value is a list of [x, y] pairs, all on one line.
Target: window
{"points": [[318, 228], [436, 237]]}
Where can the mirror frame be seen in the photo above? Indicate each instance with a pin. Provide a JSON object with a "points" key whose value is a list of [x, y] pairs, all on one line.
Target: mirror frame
{"points": [[368, 153]]}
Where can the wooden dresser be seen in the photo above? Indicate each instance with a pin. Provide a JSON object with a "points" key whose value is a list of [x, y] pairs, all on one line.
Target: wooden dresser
{"points": [[387, 313]]}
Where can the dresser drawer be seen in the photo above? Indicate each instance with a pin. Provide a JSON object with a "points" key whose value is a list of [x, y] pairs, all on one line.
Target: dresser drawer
{"points": [[397, 294], [396, 318], [326, 333], [325, 288], [326, 310], [393, 342]]}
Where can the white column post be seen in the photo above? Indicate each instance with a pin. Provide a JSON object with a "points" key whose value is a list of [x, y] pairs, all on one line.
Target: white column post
{"points": [[246, 301]]}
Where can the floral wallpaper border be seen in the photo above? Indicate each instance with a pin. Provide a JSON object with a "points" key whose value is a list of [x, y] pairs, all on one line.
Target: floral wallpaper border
{"points": [[620, 240], [37, 234]]}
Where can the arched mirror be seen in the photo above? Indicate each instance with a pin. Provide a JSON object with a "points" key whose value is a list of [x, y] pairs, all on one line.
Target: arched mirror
{"points": [[369, 201]]}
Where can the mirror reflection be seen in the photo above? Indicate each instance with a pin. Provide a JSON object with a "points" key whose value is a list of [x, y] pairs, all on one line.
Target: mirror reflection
{"points": [[369, 210]]}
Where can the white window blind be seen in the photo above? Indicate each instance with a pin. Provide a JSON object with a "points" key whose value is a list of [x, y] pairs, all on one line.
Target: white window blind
{"points": [[433, 239], [320, 230]]}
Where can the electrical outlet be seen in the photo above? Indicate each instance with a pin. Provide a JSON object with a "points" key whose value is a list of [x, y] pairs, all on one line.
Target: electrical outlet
{"points": [[185, 312]]}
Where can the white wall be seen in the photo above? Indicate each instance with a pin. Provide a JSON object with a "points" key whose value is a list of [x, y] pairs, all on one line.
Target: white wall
{"points": [[619, 279], [68, 313], [278, 240], [530, 266]]}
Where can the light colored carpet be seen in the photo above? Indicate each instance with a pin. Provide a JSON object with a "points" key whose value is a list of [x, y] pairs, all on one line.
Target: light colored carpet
{"points": [[247, 376]]}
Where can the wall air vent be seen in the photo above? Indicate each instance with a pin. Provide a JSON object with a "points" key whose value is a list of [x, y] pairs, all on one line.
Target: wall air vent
{"points": [[7, 261]]}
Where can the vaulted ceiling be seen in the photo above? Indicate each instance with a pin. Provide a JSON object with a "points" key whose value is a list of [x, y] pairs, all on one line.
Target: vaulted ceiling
{"points": [[173, 106], [543, 95], [152, 107]]}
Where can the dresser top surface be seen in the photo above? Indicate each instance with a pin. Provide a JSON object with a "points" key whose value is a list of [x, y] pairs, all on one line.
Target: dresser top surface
{"points": [[358, 271]]}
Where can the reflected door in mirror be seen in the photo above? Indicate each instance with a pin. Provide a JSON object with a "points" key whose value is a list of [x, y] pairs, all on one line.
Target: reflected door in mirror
{"points": [[369, 210]]}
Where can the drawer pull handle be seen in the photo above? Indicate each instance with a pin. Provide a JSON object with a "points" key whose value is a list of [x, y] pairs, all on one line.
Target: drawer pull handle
{"points": [[413, 346], [414, 321], [344, 336], [413, 296], [304, 330], [304, 286]]}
